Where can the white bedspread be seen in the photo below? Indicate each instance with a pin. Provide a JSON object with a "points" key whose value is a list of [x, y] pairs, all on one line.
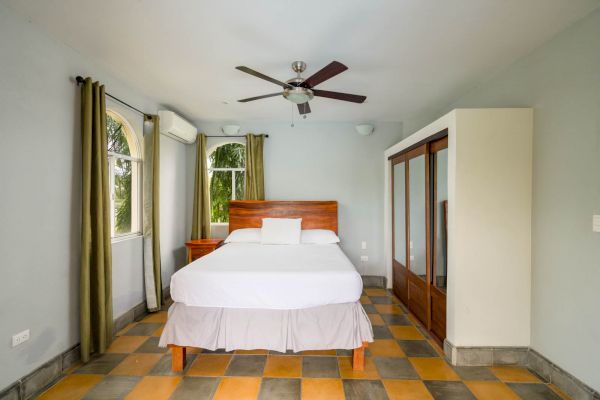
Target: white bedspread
{"points": [[281, 277]]}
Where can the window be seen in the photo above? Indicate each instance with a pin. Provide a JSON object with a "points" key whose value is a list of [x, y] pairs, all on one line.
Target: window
{"points": [[226, 169], [124, 170]]}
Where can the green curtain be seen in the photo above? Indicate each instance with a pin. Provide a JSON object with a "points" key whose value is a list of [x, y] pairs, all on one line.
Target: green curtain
{"points": [[95, 317], [201, 214], [151, 196], [255, 177]]}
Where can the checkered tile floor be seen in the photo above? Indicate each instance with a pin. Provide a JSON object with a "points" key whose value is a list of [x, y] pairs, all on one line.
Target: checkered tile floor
{"points": [[402, 363]]}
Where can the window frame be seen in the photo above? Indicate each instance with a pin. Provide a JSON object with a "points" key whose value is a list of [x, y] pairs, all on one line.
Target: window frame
{"points": [[136, 178], [232, 170]]}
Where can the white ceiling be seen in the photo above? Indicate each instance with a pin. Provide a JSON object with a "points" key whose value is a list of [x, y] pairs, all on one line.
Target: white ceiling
{"points": [[405, 55]]}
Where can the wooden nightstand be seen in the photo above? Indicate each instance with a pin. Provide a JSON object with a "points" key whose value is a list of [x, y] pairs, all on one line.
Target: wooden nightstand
{"points": [[201, 247]]}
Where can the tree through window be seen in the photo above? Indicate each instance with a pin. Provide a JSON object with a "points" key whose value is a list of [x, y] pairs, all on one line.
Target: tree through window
{"points": [[226, 169], [124, 164]]}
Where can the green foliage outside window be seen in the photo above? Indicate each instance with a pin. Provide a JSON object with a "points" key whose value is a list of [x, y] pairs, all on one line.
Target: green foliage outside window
{"points": [[232, 155], [117, 143]]}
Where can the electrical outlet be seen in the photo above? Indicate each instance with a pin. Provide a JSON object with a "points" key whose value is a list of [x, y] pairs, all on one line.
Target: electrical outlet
{"points": [[363, 245], [20, 338], [364, 258]]}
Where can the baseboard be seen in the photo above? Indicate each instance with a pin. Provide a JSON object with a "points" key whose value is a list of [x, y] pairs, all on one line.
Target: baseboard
{"points": [[521, 356], [551, 372], [484, 356], [374, 281], [40, 379]]}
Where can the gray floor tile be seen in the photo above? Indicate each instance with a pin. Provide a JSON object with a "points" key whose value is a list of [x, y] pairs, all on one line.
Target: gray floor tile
{"points": [[279, 389], [395, 368], [195, 388], [288, 352], [151, 346], [380, 300], [381, 332], [475, 374], [449, 390], [163, 367], [417, 348], [533, 391], [101, 365], [112, 387], [246, 366], [143, 329], [396, 319], [369, 308], [320, 367], [360, 389]]}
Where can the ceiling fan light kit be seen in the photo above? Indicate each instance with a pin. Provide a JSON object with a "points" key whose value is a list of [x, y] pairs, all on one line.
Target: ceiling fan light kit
{"points": [[299, 90]]}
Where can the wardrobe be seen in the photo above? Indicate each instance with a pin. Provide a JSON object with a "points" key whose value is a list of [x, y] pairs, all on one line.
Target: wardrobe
{"points": [[419, 225], [457, 229]]}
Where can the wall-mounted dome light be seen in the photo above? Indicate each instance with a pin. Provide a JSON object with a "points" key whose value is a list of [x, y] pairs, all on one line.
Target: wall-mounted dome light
{"points": [[230, 130], [364, 129]]}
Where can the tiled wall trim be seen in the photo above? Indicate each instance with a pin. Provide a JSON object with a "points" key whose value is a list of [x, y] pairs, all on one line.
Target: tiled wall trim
{"points": [[374, 281], [523, 356], [561, 378], [31, 385]]}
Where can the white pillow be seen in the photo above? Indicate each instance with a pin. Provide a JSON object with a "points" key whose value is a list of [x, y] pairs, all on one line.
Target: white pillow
{"points": [[281, 231], [319, 236], [245, 235]]}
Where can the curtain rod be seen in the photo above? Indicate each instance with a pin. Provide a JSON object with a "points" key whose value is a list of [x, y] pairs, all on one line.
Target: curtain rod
{"points": [[226, 136], [79, 79]]}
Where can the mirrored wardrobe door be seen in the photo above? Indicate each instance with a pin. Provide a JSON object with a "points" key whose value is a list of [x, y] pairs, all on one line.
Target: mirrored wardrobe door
{"points": [[399, 270], [418, 261], [439, 208]]}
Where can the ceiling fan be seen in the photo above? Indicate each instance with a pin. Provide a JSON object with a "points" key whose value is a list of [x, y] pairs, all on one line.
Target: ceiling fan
{"points": [[299, 90]]}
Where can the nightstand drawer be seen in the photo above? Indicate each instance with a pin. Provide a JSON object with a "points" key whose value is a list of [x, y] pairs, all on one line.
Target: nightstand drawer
{"points": [[201, 247]]}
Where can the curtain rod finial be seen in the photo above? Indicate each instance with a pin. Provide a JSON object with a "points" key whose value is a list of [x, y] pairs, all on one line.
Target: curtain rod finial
{"points": [[79, 79]]}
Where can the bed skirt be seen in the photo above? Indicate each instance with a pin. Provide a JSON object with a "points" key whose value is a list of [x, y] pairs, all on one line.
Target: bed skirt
{"points": [[334, 326]]}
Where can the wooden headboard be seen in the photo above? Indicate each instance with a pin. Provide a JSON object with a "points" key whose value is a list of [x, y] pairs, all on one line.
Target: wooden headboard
{"points": [[314, 214]]}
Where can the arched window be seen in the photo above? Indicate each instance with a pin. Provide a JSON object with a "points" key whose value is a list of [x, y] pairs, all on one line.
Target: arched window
{"points": [[124, 166], [226, 169]]}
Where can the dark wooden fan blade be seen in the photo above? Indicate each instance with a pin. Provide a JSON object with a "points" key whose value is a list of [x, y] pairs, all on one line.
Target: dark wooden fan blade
{"points": [[263, 76], [354, 98], [304, 108], [329, 71], [264, 96]]}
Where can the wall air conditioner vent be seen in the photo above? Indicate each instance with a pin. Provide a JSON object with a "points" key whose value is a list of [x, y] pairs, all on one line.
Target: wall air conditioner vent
{"points": [[176, 127]]}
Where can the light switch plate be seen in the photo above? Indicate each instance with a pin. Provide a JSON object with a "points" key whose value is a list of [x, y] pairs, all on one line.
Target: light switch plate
{"points": [[363, 245], [364, 258], [596, 223]]}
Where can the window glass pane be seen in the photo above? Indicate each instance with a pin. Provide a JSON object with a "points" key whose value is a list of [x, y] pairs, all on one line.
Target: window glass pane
{"points": [[441, 194], [220, 194], [400, 214], [239, 185], [122, 196], [232, 155], [416, 183], [117, 140]]}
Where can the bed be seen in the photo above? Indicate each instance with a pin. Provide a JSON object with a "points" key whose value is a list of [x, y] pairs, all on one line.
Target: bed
{"points": [[246, 296]]}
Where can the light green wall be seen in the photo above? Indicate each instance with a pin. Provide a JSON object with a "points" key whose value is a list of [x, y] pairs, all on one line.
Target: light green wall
{"points": [[561, 81]]}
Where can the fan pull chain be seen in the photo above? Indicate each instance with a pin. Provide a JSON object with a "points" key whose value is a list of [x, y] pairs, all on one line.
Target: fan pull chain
{"points": [[292, 116]]}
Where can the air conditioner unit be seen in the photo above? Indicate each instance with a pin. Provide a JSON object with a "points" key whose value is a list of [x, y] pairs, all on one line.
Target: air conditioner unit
{"points": [[174, 126]]}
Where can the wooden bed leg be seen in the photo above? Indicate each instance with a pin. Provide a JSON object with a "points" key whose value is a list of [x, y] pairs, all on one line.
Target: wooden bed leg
{"points": [[358, 357], [178, 358]]}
